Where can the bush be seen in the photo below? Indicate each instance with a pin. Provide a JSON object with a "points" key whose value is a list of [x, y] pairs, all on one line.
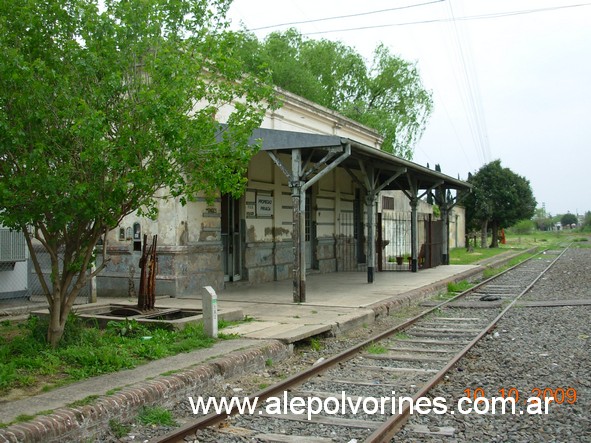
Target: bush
{"points": [[524, 227]]}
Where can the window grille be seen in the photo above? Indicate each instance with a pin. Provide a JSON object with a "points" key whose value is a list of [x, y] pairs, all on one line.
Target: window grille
{"points": [[12, 246], [387, 202]]}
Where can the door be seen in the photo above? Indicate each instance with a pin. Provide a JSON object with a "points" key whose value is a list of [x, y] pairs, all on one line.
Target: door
{"points": [[358, 228], [309, 234], [232, 252]]}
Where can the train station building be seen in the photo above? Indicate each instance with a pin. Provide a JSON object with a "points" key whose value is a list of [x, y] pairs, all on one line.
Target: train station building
{"points": [[322, 197]]}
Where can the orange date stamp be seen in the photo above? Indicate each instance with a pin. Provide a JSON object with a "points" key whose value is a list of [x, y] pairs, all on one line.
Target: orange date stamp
{"points": [[559, 395]]}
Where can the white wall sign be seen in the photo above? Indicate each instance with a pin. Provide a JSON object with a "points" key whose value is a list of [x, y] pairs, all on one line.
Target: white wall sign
{"points": [[264, 205], [250, 210]]}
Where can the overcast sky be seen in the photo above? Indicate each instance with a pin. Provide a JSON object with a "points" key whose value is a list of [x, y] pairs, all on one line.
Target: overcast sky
{"points": [[511, 79]]}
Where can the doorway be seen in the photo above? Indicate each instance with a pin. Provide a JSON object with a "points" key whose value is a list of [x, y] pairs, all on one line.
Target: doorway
{"points": [[231, 243], [309, 234]]}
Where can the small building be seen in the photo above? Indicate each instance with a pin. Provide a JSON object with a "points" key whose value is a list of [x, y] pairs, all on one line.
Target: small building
{"points": [[310, 205]]}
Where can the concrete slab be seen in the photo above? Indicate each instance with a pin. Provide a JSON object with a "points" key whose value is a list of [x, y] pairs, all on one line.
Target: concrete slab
{"points": [[289, 333], [248, 328]]}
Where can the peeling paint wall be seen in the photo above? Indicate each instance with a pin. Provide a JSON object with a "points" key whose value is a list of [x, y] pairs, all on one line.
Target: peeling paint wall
{"points": [[268, 248], [189, 250]]}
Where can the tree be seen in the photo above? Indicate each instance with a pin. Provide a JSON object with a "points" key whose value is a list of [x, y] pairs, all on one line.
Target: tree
{"points": [[98, 115], [388, 95], [499, 199], [542, 220], [569, 219]]}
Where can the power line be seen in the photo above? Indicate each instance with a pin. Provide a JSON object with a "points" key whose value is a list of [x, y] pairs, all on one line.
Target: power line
{"points": [[470, 94], [338, 17], [443, 20]]}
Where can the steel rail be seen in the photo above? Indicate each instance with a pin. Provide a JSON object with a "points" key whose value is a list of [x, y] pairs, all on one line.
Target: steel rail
{"points": [[391, 426], [272, 391]]}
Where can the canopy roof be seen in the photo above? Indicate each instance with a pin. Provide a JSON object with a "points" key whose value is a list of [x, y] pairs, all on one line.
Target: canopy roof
{"points": [[314, 148]]}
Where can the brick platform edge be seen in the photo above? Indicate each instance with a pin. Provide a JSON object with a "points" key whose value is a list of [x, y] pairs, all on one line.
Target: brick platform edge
{"points": [[92, 421]]}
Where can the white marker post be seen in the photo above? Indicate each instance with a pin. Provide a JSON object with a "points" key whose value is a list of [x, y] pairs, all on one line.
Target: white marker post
{"points": [[210, 312]]}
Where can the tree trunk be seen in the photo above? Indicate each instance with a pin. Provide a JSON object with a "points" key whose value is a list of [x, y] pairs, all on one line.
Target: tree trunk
{"points": [[55, 331], [495, 235], [65, 283], [483, 234]]}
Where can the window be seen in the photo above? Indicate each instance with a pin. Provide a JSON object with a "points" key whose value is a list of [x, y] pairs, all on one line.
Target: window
{"points": [[387, 202], [12, 246]]}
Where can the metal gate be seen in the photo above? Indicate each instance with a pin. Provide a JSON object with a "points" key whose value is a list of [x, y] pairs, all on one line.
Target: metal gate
{"points": [[394, 242], [350, 243]]}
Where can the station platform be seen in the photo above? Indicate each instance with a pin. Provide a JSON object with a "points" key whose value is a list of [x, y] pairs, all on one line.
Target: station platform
{"points": [[335, 303]]}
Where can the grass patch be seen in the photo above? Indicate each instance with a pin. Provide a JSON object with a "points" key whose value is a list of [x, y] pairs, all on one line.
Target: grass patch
{"points": [[401, 336], [315, 344], [516, 242], [23, 418], [491, 272], [376, 349], [27, 361], [156, 416], [227, 323], [118, 429], [85, 401], [459, 286], [113, 391], [460, 256]]}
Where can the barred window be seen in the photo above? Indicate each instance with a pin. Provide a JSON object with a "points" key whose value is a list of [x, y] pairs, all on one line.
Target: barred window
{"points": [[387, 202], [12, 246]]}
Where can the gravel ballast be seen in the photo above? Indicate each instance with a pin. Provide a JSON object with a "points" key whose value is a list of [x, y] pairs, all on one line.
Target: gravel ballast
{"points": [[534, 348]]}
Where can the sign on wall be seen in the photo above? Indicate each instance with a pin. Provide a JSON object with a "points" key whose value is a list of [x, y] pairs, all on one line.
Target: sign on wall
{"points": [[264, 204]]}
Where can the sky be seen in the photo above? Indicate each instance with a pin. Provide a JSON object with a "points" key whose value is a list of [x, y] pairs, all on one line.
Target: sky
{"points": [[510, 79]]}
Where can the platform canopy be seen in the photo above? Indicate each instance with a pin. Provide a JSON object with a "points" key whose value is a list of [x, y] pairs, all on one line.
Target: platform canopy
{"points": [[312, 156], [315, 147]]}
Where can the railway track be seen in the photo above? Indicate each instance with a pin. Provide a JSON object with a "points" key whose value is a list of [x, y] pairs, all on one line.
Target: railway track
{"points": [[347, 397]]}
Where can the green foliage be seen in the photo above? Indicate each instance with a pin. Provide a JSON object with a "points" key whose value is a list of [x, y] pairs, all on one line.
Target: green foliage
{"points": [[524, 227], [386, 95], [315, 344], [97, 115], [128, 328], [85, 401], [569, 219], [499, 198], [459, 256], [376, 349], [157, 416], [401, 336], [84, 352], [460, 286], [491, 272], [118, 429], [543, 220]]}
